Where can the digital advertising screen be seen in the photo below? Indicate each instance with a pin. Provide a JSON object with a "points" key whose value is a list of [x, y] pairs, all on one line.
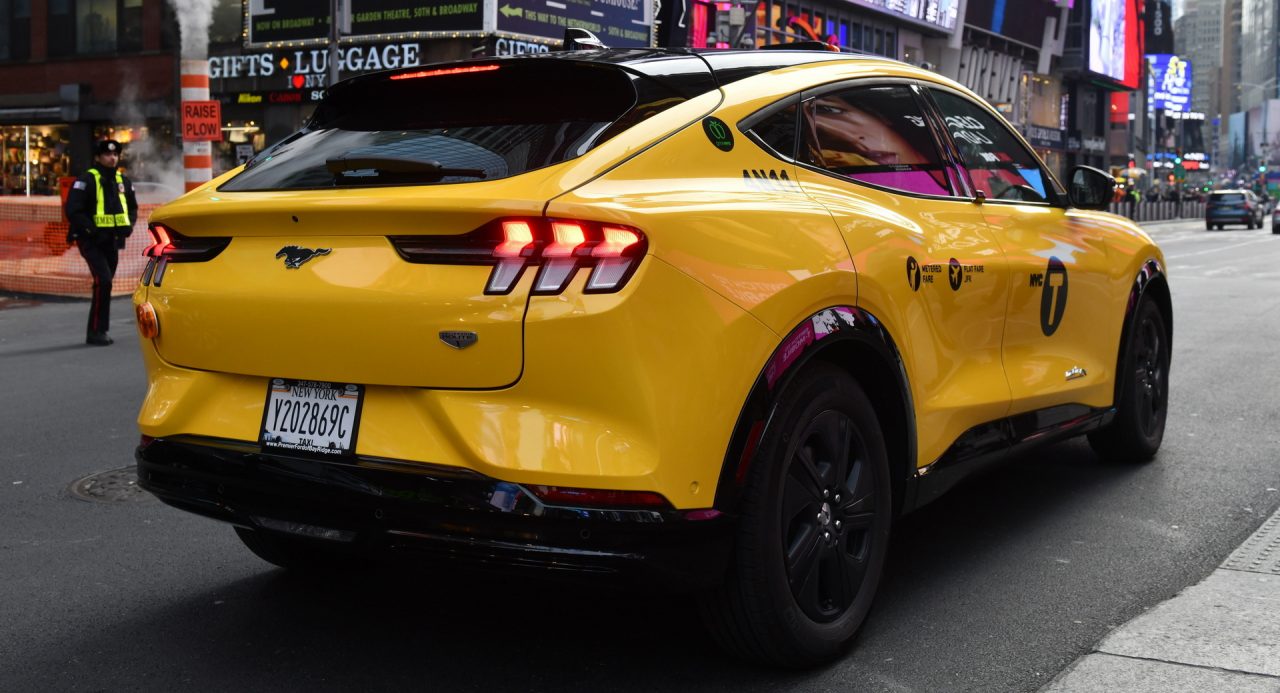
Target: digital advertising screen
{"points": [[1169, 82], [1108, 38]]}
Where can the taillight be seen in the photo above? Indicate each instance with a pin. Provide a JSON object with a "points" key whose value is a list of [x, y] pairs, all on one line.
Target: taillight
{"points": [[558, 248], [171, 246]]}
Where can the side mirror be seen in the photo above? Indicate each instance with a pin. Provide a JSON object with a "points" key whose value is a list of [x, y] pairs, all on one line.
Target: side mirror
{"points": [[1091, 188]]}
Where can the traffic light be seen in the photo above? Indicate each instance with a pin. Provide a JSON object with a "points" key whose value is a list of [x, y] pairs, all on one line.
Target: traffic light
{"points": [[1171, 178], [1262, 168], [1177, 160]]}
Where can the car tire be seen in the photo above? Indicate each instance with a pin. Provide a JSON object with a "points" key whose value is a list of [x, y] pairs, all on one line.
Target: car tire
{"points": [[806, 609], [1248, 223], [1208, 226], [295, 554], [1135, 434], [1275, 228]]}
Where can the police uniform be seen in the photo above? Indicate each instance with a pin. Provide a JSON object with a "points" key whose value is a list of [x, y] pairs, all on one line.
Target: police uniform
{"points": [[101, 209]]}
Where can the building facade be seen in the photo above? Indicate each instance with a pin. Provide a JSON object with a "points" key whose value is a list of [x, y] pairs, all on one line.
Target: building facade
{"points": [[72, 71]]}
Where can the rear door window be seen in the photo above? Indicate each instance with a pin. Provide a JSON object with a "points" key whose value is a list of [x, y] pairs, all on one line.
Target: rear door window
{"points": [[999, 165], [876, 135], [461, 123]]}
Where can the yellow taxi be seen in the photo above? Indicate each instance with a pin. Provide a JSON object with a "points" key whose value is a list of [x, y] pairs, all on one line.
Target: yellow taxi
{"points": [[710, 319]]}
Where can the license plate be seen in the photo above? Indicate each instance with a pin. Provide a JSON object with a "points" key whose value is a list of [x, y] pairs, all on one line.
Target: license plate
{"points": [[311, 417]]}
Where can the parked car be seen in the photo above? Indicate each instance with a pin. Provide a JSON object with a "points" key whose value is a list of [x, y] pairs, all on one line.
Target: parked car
{"points": [[715, 322], [1275, 219], [1233, 207]]}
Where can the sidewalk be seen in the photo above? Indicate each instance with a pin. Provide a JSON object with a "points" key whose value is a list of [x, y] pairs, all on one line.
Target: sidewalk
{"points": [[1220, 635]]}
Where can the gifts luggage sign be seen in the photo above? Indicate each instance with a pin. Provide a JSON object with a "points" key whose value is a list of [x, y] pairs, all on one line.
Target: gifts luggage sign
{"points": [[201, 121]]}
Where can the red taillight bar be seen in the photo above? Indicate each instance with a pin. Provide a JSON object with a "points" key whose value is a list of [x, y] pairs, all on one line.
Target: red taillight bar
{"points": [[557, 247], [445, 71]]}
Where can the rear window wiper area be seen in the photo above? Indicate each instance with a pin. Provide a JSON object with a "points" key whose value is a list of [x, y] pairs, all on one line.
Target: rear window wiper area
{"points": [[367, 169]]}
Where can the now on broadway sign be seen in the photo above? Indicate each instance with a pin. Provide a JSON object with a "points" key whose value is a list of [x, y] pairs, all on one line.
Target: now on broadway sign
{"points": [[619, 23]]}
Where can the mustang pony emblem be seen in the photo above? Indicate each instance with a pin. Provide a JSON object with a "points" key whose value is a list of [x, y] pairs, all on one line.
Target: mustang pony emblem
{"points": [[295, 255]]}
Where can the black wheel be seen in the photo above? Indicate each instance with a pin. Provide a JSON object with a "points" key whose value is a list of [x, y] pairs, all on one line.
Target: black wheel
{"points": [[1138, 428], [1248, 223], [1208, 226], [295, 553], [816, 512], [1275, 228]]}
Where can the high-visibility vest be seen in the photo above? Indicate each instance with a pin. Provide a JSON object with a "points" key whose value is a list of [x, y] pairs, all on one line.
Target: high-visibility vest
{"points": [[100, 218]]}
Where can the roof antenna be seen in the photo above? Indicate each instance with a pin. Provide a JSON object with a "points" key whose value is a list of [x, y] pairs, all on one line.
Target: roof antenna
{"points": [[578, 39]]}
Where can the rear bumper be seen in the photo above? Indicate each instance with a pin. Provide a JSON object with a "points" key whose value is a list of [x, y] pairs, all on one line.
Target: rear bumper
{"points": [[434, 513], [1233, 217]]}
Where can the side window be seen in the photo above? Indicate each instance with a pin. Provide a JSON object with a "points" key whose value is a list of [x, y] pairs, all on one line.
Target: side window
{"points": [[778, 132], [875, 135], [998, 163]]}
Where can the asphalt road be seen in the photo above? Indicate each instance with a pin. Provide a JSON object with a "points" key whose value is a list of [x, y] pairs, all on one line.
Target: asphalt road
{"points": [[996, 587]]}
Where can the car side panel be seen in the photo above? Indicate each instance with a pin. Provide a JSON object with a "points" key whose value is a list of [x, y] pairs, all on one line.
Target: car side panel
{"points": [[1062, 349], [908, 250]]}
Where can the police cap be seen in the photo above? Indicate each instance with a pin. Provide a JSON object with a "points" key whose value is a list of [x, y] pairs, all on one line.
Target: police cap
{"points": [[108, 147]]}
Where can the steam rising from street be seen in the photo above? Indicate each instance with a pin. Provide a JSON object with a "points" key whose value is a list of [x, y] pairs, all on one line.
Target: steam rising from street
{"points": [[194, 18]]}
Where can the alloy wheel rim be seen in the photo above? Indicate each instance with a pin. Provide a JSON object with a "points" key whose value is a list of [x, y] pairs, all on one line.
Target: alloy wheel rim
{"points": [[1151, 379], [829, 516]]}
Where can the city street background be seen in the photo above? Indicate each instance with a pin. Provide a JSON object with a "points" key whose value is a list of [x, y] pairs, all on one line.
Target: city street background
{"points": [[998, 586]]}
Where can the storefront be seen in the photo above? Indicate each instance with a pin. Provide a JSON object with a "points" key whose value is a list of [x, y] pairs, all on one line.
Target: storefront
{"points": [[267, 95], [35, 156]]}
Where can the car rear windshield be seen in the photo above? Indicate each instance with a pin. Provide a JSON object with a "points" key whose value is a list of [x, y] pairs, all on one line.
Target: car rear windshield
{"points": [[457, 123], [1226, 198]]}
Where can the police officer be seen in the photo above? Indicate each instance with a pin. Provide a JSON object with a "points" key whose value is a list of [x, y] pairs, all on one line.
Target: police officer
{"points": [[101, 209]]}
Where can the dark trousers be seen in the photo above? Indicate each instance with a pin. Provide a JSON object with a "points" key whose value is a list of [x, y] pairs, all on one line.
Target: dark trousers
{"points": [[99, 251]]}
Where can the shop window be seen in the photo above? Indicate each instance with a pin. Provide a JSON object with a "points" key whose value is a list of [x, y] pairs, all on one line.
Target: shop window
{"points": [[998, 164], [130, 25], [34, 158], [96, 25], [875, 135], [62, 28]]}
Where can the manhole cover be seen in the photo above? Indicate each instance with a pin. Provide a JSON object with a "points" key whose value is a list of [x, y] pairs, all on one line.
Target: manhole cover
{"points": [[115, 486]]}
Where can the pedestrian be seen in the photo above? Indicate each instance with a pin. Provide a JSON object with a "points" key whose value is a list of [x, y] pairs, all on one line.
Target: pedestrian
{"points": [[101, 209]]}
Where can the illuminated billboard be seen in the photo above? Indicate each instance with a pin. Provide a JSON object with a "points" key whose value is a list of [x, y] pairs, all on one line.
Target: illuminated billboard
{"points": [[938, 13], [1108, 25], [1169, 82]]}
